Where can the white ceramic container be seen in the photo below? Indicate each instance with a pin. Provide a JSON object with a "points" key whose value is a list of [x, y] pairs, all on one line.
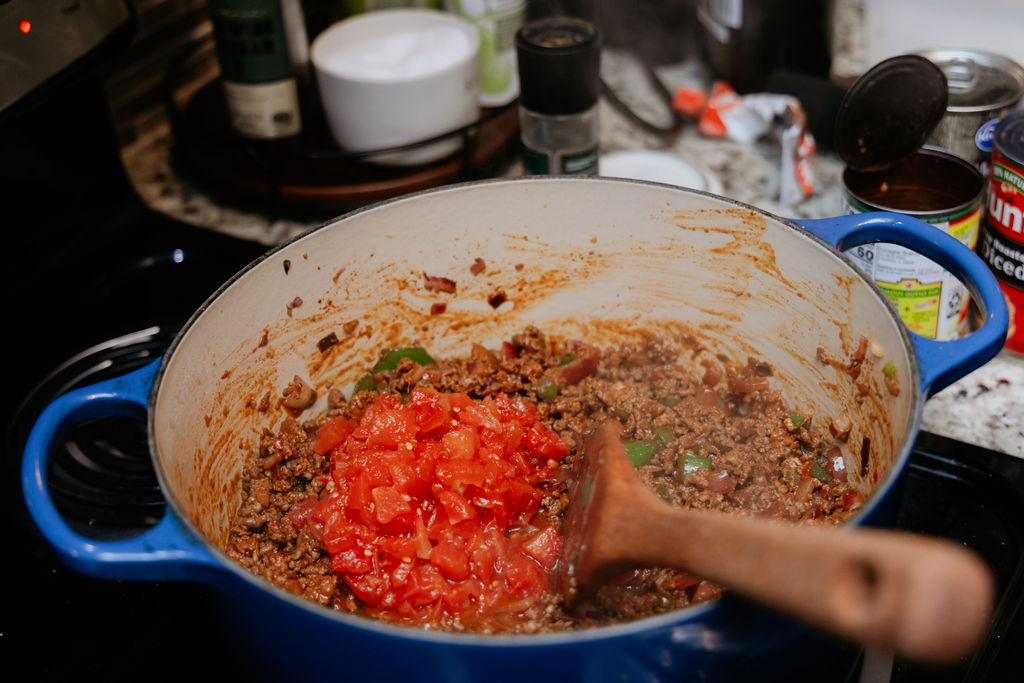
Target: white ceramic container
{"points": [[391, 78]]}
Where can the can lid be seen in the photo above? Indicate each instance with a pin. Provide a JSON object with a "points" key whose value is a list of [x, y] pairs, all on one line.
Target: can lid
{"points": [[979, 81], [559, 65], [1009, 137], [889, 112]]}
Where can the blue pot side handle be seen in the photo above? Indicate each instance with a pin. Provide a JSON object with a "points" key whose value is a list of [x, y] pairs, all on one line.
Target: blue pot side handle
{"points": [[165, 552], [941, 362]]}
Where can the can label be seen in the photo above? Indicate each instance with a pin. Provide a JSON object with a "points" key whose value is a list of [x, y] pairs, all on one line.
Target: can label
{"points": [[1002, 243], [265, 111], [984, 136], [930, 300]]}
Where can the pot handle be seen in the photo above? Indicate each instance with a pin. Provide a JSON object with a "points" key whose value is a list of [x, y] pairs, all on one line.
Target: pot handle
{"points": [[164, 552], [941, 362]]}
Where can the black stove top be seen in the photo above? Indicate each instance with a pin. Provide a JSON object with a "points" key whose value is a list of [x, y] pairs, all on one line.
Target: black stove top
{"points": [[99, 286]]}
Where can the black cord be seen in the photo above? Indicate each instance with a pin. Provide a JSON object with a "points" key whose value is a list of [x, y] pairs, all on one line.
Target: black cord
{"points": [[665, 96]]}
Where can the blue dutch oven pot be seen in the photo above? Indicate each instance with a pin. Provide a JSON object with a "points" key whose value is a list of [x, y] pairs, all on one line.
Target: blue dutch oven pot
{"points": [[583, 249]]}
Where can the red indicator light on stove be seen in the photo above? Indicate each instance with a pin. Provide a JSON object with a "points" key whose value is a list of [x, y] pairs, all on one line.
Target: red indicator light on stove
{"points": [[24, 25]]}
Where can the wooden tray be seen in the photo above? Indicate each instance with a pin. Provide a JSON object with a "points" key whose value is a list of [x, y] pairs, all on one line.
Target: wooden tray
{"points": [[311, 172]]}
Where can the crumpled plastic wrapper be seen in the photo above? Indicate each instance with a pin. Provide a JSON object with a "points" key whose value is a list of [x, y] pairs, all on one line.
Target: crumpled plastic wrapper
{"points": [[748, 118]]}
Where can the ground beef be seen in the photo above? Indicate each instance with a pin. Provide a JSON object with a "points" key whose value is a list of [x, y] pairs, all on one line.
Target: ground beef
{"points": [[767, 460]]}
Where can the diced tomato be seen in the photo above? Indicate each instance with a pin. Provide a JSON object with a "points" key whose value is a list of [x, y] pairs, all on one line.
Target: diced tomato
{"points": [[330, 433], [457, 474], [545, 546], [521, 496], [388, 503], [387, 426], [301, 512], [431, 410], [463, 595], [457, 507], [341, 536], [360, 496], [425, 494], [351, 561], [523, 576], [461, 443], [484, 552], [368, 587], [451, 560], [545, 443], [481, 415]]}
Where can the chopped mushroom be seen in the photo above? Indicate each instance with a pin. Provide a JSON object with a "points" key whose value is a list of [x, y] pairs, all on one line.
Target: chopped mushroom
{"points": [[876, 349], [297, 395], [841, 426]]}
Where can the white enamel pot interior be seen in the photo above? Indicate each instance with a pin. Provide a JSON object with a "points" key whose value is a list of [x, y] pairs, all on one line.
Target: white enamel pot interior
{"points": [[589, 258]]}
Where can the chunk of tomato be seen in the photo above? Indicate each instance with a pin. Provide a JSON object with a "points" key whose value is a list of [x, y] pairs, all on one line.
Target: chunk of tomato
{"points": [[330, 433], [523, 576], [451, 560], [545, 546]]}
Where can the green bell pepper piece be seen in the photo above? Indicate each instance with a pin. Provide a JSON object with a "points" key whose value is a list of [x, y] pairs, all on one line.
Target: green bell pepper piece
{"points": [[392, 356], [639, 452], [546, 388], [818, 472], [690, 463], [664, 436]]}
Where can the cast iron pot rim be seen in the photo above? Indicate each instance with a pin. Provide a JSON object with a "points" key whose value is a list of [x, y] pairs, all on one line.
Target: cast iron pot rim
{"points": [[676, 618]]}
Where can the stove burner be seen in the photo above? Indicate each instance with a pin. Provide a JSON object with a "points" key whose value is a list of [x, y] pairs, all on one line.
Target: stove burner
{"points": [[101, 475]]}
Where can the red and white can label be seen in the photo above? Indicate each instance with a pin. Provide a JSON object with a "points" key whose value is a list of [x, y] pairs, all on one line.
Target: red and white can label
{"points": [[1002, 240]]}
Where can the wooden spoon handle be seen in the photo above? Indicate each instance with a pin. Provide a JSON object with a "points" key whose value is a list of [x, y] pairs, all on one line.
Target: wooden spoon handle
{"points": [[920, 597]]}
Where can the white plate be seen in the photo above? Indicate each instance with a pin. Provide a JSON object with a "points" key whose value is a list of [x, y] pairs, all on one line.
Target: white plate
{"points": [[658, 167]]}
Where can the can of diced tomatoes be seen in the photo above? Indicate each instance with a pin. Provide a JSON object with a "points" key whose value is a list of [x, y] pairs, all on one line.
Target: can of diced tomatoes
{"points": [[942, 190], [1002, 235]]}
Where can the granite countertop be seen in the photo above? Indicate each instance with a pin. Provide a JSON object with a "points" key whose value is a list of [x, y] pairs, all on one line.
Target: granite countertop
{"points": [[985, 408]]}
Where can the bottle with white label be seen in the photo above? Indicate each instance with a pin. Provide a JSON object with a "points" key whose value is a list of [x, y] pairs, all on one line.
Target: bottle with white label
{"points": [[256, 68]]}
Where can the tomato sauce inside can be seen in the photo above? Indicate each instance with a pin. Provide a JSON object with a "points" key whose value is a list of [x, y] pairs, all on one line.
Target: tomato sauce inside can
{"points": [[942, 190], [1002, 235]]}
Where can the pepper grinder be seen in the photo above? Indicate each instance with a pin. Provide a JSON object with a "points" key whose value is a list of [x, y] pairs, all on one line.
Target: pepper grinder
{"points": [[559, 73]]}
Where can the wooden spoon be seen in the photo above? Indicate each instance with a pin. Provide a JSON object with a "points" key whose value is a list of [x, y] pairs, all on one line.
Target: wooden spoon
{"points": [[922, 598]]}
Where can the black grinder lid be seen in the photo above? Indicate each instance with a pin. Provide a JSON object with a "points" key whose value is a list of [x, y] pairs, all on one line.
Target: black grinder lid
{"points": [[889, 112], [559, 65]]}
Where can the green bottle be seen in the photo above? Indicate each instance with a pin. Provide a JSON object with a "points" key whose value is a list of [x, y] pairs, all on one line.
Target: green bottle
{"points": [[256, 68]]}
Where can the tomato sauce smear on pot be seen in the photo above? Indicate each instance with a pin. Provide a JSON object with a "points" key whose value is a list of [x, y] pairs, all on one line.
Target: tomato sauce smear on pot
{"points": [[424, 493]]}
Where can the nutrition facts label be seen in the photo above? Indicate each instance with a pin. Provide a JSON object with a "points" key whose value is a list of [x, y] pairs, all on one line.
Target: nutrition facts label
{"points": [[930, 300]]}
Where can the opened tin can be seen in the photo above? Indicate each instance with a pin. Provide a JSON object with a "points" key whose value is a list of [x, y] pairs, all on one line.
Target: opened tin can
{"points": [[1002, 236], [942, 190], [881, 127]]}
